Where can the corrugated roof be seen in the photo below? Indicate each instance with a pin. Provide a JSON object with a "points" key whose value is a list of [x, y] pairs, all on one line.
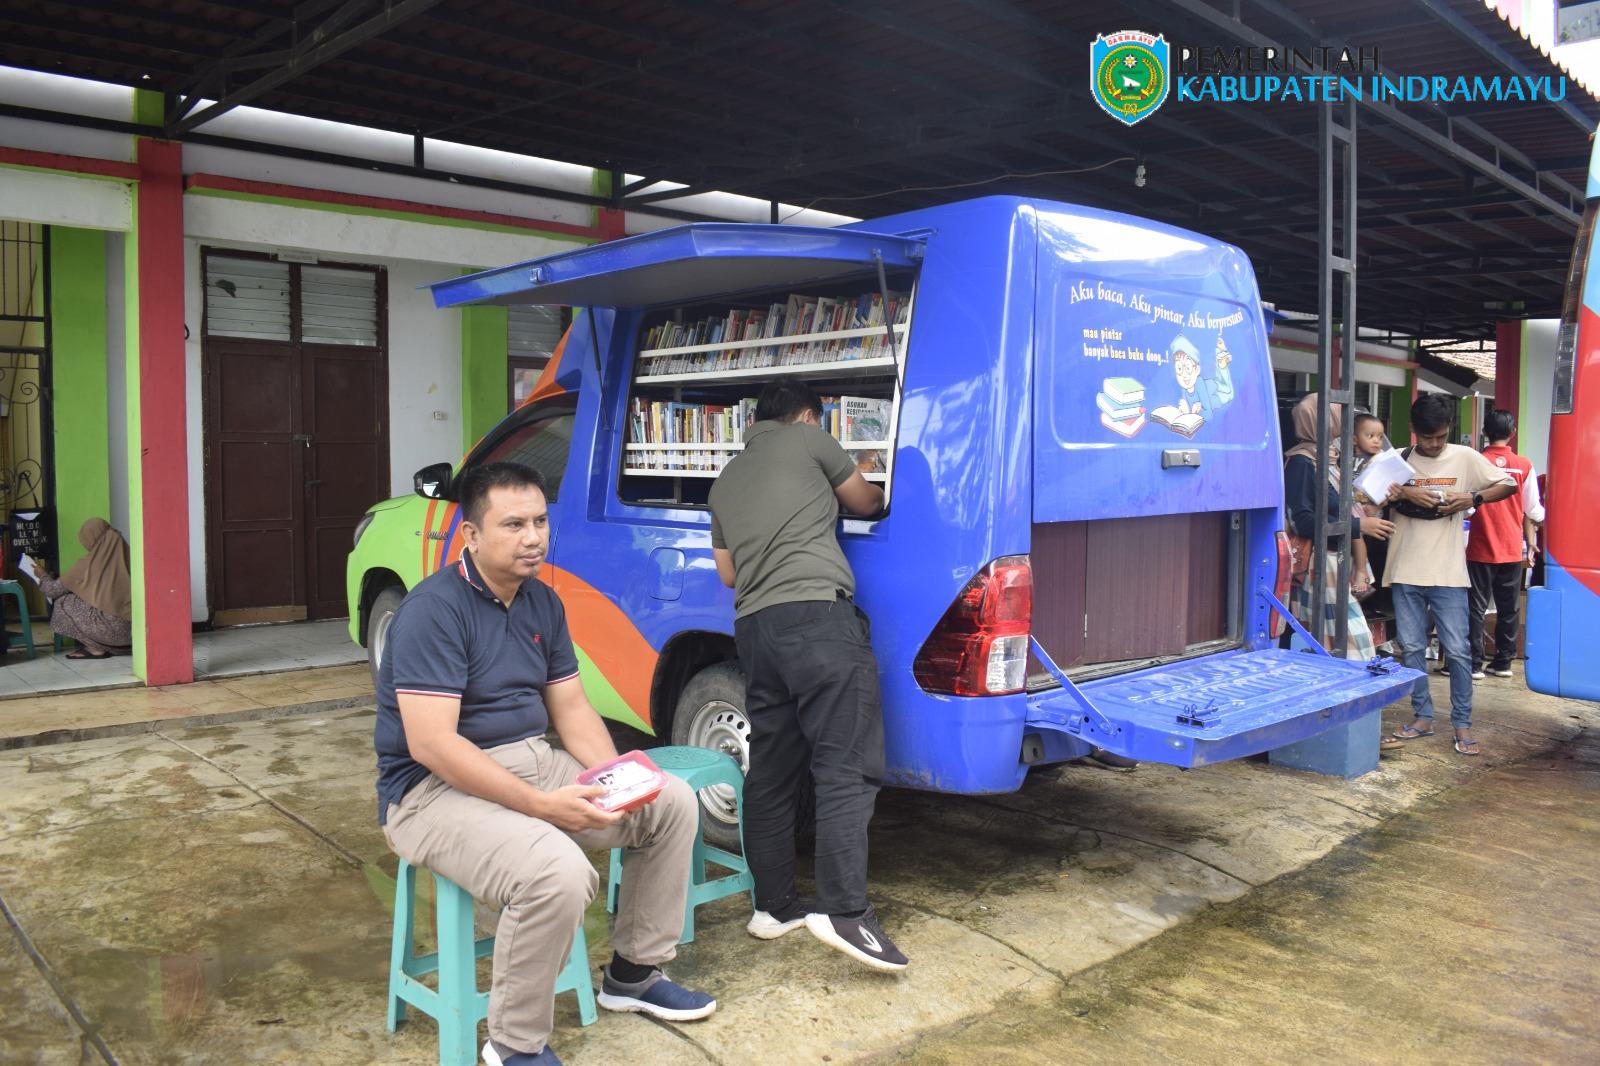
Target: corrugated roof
{"points": [[873, 106]]}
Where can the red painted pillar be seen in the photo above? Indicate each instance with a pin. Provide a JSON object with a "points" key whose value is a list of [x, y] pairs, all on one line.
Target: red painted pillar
{"points": [[163, 459], [1508, 366], [612, 224]]}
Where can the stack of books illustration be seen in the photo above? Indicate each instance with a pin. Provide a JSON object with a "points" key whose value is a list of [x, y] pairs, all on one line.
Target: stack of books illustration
{"points": [[1121, 402]]}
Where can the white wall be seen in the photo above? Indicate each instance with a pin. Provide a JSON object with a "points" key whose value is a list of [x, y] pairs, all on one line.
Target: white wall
{"points": [[65, 200], [424, 375], [1538, 381]]}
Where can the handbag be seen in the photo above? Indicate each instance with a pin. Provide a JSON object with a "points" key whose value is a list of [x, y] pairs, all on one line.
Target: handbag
{"points": [[1301, 552]]}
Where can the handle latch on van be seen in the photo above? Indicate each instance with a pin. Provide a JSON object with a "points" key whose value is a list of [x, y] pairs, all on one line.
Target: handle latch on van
{"points": [[1171, 457]]}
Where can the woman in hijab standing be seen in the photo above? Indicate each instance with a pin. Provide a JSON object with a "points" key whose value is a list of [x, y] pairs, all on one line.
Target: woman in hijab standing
{"points": [[93, 602], [1302, 497]]}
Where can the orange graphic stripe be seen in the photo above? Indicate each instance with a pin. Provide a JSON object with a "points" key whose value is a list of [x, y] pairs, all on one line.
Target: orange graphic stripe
{"points": [[427, 541], [608, 637]]}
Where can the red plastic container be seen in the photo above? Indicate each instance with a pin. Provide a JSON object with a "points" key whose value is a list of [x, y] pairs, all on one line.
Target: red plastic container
{"points": [[630, 781]]}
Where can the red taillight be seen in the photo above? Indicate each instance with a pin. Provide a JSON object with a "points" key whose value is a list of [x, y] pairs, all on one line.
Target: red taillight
{"points": [[980, 646], [1280, 587]]}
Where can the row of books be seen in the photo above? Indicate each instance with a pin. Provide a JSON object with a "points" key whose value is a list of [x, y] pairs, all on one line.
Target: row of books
{"points": [[663, 423], [671, 422], [800, 316]]}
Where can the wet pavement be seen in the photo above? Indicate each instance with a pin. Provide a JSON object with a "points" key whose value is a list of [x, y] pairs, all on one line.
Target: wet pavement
{"points": [[221, 894]]}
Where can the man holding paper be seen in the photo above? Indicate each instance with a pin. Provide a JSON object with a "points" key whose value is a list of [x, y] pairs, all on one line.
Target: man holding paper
{"points": [[1427, 566], [478, 665]]}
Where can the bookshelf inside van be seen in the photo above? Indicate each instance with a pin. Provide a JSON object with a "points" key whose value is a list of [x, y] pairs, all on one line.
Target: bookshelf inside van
{"points": [[700, 368]]}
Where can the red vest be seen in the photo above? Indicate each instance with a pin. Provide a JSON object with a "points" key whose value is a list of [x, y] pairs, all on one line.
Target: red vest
{"points": [[1496, 535]]}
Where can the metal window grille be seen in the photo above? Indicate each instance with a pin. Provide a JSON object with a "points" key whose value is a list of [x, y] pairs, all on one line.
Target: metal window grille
{"points": [[338, 306], [247, 298]]}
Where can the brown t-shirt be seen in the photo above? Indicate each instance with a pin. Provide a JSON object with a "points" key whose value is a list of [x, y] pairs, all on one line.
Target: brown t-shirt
{"points": [[1433, 551], [774, 509]]}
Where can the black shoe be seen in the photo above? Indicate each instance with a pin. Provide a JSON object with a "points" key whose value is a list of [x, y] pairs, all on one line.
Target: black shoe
{"points": [[770, 925], [861, 938]]}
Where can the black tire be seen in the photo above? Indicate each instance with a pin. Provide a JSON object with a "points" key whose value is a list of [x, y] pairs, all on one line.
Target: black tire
{"points": [[710, 714], [378, 618]]}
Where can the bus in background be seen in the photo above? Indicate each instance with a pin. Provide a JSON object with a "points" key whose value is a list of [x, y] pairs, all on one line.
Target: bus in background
{"points": [[1564, 615]]}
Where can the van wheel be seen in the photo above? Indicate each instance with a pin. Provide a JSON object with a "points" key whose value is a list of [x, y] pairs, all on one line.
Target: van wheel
{"points": [[379, 618], [710, 714]]}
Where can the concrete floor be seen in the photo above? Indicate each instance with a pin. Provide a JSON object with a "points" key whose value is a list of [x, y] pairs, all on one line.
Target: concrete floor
{"points": [[219, 895], [236, 651]]}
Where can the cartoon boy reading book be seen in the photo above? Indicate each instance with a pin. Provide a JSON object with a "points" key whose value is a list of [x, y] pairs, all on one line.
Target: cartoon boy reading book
{"points": [[1199, 398]]}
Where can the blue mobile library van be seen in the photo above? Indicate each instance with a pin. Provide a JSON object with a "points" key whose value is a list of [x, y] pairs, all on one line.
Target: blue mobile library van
{"points": [[1071, 412]]}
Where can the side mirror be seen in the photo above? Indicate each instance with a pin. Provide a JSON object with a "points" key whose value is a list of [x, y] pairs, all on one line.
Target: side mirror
{"points": [[433, 482]]}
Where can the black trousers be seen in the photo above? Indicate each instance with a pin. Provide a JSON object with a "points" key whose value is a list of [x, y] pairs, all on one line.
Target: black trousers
{"points": [[1501, 584], [814, 708]]}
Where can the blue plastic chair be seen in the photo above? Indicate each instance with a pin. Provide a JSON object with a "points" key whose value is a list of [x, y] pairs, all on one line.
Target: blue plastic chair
{"points": [[14, 589], [457, 1005], [700, 768]]}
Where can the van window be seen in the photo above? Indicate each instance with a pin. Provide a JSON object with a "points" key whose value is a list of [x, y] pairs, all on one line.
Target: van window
{"points": [[700, 367], [541, 439]]}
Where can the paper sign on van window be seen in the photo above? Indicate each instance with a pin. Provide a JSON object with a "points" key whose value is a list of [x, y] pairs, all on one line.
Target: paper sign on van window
{"points": [[1165, 365]]}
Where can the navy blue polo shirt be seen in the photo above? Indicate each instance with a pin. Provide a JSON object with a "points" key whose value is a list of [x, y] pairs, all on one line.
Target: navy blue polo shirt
{"points": [[453, 637]]}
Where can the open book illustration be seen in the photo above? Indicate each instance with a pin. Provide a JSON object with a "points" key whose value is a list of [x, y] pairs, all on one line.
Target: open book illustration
{"points": [[1179, 419]]}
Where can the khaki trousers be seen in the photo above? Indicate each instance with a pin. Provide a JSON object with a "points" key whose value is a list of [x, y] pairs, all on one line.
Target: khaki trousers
{"points": [[542, 881]]}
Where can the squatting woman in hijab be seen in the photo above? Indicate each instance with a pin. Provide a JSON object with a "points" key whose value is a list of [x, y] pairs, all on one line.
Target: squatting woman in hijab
{"points": [[93, 601]]}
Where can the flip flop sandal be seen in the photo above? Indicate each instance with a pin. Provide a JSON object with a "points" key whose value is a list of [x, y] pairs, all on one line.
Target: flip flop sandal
{"points": [[1408, 733], [1390, 744], [1467, 747], [84, 654]]}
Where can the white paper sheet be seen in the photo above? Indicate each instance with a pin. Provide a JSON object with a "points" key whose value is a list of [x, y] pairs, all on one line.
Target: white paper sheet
{"points": [[1385, 470]]}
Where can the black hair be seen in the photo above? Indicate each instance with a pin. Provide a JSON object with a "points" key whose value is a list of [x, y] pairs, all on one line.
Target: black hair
{"points": [[787, 400], [1367, 416], [472, 487], [1499, 424], [1432, 412]]}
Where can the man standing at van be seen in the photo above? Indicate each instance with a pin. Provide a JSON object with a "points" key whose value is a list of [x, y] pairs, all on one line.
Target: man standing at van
{"points": [[478, 665], [812, 684], [1500, 550], [1427, 566]]}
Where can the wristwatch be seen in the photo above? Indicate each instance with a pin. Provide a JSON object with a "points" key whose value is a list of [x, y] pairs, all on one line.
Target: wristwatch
{"points": [[1477, 499]]}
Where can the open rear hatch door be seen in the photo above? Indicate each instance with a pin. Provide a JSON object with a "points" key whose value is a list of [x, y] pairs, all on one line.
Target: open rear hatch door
{"points": [[1219, 707], [684, 264]]}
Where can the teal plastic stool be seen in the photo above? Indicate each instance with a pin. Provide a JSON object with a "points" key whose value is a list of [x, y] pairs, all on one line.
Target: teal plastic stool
{"points": [[457, 1006], [14, 589], [700, 768]]}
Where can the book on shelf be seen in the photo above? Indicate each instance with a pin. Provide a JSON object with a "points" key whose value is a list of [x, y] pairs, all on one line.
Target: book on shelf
{"points": [[799, 316]]}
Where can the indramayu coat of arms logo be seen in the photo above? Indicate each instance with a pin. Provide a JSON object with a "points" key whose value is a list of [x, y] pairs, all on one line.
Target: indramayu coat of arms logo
{"points": [[1128, 73]]}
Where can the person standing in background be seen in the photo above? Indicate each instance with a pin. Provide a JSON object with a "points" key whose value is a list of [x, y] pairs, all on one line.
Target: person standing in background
{"points": [[1500, 549]]}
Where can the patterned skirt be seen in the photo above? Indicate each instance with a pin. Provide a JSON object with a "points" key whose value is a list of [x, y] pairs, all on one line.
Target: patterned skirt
{"points": [[1358, 642]]}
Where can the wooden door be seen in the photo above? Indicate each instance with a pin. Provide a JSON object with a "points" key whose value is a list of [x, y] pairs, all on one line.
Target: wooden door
{"points": [[296, 435], [255, 472], [345, 401]]}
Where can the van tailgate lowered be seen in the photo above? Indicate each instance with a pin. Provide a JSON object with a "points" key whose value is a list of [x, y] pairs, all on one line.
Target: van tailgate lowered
{"points": [[1218, 707]]}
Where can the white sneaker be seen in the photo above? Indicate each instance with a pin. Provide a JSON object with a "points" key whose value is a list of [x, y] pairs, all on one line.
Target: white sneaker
{"points": [[769, 926]]}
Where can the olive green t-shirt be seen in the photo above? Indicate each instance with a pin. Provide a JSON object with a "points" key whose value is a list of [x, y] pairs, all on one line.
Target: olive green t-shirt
{"points": [[774, 509]]}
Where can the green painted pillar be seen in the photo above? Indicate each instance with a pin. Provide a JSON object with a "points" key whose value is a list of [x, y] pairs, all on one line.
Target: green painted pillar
{"points": [[1399, 427], [1466, 418], [78, 371], [485, 376]]}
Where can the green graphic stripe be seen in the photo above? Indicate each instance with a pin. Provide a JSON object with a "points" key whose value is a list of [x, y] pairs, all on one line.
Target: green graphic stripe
{"points": [[604, 698]]}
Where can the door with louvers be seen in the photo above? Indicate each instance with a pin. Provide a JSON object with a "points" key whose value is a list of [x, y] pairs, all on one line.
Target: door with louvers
{"points": [[296, 436]]}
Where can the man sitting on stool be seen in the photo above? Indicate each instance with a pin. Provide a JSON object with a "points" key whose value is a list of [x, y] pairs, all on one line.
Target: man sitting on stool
{"points": [[477, 665]]}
